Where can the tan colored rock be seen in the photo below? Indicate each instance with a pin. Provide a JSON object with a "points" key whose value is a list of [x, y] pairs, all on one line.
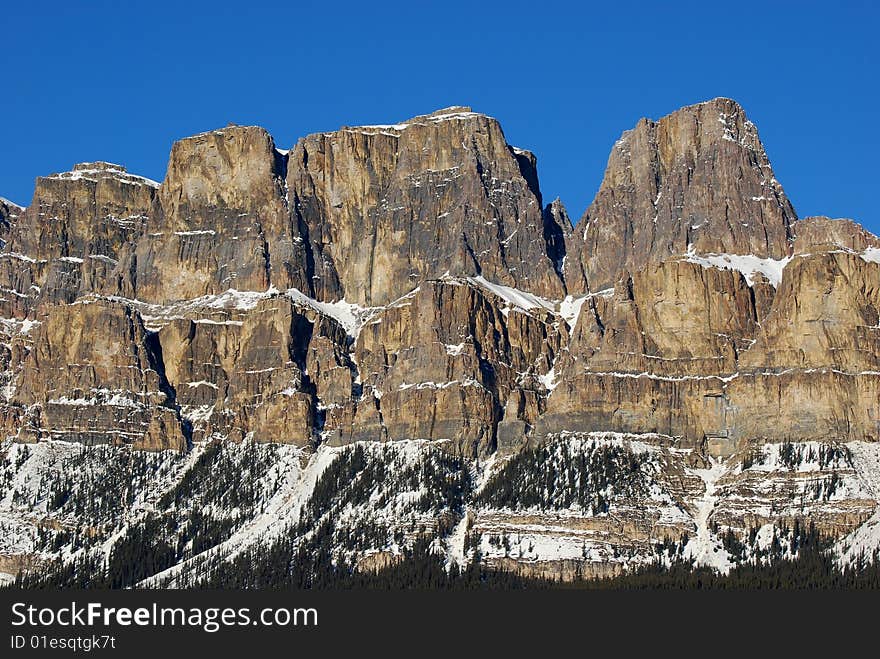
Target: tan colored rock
{"points": [[698, 177], [825, 314], [820, 234], [672, 318], [696, 353], [799, 405], [94, 376], [243, 373], [221, 222], [422, 224], [653, 356], [686, 408], [441, 363], [431, 304], [67, 242], [387, 206]]}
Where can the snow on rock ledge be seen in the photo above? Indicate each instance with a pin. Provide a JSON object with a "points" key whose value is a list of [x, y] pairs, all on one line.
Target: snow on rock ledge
{"points": [[747, 264]]}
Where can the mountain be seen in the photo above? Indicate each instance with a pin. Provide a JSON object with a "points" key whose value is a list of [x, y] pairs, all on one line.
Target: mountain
{"points": [[697, 179], [282, 359]]}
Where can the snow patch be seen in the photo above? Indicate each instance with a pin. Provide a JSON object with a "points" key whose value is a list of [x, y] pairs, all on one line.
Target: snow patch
{"points": [[514, 297], [747, 264], [196, 232], [197, 414], [570, 309], [549, 379], [454, 350], [351, 316], [9, 202], [706, 548], [455, 544], [100, 397], [201, 383], [18, 257], [439, 385]]}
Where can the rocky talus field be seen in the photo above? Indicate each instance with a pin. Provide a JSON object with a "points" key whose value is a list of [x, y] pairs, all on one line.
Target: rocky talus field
{"points": [[384, 335]]}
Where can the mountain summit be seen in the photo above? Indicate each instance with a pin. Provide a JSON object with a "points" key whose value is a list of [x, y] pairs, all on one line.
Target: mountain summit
{"points": [[698, 178], [320, 350]]}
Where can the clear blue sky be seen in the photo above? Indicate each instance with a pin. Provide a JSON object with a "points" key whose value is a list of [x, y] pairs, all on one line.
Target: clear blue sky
{"points": [[122, 81]]}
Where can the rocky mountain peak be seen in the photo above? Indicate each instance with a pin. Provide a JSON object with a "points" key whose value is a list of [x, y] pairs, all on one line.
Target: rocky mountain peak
{"points": [[98, 171], [221, 205], [387, 206], [235, 166], [405, 289], [698, 179], [819, 233], [70, 238], [361, 214]]}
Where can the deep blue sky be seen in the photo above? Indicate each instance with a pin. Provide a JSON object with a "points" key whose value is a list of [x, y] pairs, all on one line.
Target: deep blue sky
{"points": [[121, 81]]}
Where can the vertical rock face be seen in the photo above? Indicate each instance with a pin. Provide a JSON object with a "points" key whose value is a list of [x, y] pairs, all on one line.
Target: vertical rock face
{"points": [[653, 355], [64, 245], [70, 238], [220, 222], [372, 211], [10, 298], [674, 318], [691, 350], [95, 208], [9, 214], [557, 236], [386, 206], [407, 281], [94, 376], [240, 372], [444, 361], [814, 370], [698, 177], [364, 214], [823, 315]]}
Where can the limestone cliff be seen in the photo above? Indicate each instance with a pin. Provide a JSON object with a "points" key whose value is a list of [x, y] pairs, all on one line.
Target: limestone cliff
{"points": [[386, 206], [698, 178], [404, 287], [68, 241], [95, 376], [220, 222]]}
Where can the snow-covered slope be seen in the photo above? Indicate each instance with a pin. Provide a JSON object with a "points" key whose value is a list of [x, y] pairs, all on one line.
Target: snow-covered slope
{"points": [[584, 504]]}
